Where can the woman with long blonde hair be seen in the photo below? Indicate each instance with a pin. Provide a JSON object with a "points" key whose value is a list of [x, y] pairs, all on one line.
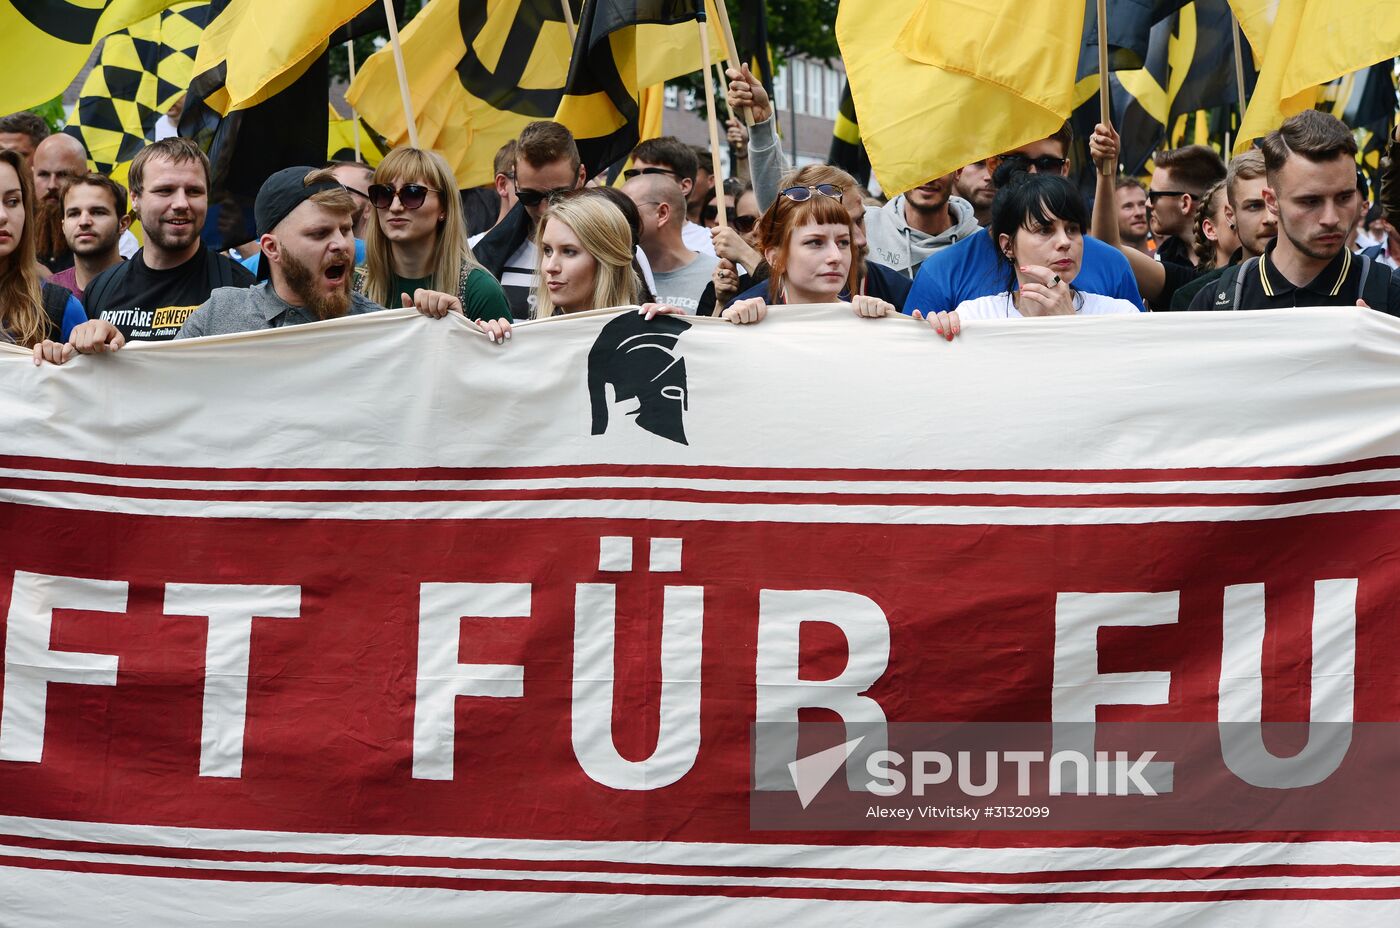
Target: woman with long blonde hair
{"points": [[585, 262], [418, 239], [30, 312], [585, 258]]}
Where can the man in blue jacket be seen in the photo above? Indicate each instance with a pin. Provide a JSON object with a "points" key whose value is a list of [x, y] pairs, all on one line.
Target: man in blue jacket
{"points": [[971, 269]]}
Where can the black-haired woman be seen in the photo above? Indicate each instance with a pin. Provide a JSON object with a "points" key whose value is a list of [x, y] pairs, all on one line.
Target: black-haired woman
{"points": [[1038, 223]]}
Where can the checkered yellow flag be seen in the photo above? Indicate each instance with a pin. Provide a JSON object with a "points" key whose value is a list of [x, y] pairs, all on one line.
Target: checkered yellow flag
{"points": [[45, 43], [140, 73]]}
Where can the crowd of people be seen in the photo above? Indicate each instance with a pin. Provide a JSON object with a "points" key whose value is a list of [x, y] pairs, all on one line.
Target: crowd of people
{"points": [[1287, 224]]}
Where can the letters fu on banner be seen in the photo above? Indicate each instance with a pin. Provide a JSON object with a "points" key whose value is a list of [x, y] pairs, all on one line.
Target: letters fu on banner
{"points": [[823, 620]]}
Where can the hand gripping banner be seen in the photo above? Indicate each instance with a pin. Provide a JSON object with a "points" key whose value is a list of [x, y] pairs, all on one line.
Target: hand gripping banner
{"points": [[821, 621]]}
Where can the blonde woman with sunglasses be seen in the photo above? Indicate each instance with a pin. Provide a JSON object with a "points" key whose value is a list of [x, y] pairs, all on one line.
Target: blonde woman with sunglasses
{"points": [[418, 240]]}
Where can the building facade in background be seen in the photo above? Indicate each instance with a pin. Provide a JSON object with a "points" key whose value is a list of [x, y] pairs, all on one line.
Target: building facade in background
{"points": [[806, 96]]}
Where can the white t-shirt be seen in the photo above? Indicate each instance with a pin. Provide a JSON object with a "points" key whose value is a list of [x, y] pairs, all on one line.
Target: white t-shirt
{"points": [[697, 238], [1000, 306]]}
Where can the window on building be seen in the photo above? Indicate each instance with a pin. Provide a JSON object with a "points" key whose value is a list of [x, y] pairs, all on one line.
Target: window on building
{"points": [[799, 87], [780, 94], [673, 96], [833, 93], [815, 85], [689, 99]]}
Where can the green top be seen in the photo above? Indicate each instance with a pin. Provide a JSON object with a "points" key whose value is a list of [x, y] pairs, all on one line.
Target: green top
{"points": [[404, 285], [481, 296]]}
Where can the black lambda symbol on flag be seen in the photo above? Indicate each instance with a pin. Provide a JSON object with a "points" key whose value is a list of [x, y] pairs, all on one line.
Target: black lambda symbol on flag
{"points": [[501, 87], [69, 22], [640, 360]]}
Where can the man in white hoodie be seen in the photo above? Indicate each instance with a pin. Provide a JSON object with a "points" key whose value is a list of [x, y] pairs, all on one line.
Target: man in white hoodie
{"points": [[914, 225]]}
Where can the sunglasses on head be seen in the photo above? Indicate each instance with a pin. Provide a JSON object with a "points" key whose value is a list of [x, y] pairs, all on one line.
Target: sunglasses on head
{"points": [[412, 196], [532, 197], [638, 172], [1045, 164], [802, 194]]}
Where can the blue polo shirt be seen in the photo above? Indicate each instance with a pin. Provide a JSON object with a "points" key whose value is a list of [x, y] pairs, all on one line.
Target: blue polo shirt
{"points": [[972, 268]]}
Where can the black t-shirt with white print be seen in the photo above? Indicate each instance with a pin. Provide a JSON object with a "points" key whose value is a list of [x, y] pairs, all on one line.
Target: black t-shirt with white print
{"points": [[151, 305]]}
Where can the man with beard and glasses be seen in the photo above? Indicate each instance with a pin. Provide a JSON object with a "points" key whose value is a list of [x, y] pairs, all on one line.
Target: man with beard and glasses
{"points": [[57, 160], [1310, 164], [150, 297], [305, 221], [94, 218]]}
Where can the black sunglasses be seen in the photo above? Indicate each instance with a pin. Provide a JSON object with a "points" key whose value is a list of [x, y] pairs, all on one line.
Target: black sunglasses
{"points": [[638, 172], [1045, 164], [802, 194], [1154, 195], [531, 197], [741, 224], [412, 196]]}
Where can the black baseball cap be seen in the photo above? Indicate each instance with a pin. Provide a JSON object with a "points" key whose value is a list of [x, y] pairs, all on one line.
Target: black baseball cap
{"points": [[285, 191]]}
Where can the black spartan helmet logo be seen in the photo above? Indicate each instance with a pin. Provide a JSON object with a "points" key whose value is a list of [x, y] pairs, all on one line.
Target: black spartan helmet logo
{"points": [[640, 360]]}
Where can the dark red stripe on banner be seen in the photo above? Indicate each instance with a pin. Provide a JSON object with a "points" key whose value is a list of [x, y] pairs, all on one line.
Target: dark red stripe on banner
{"points": [[712, 497], [1006, 878], [696, 472], [835, 894]]}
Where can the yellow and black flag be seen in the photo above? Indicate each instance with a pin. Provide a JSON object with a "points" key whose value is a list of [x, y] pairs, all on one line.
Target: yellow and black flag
{"points": [[45, 43], [141, 72], [847, 150], [478, 71], [622, 47], [1203, 61]]}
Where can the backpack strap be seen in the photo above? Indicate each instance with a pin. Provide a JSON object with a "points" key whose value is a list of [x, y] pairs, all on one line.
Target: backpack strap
{"points": [[1374, 285], [1244, 270], [1229, 284], [55, 300]]}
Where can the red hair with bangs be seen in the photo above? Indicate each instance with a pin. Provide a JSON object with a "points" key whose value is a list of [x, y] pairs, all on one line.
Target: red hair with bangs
{"points": [[785, 217]]}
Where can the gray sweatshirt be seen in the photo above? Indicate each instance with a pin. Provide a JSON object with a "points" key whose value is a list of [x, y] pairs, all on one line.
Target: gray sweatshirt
{"points": [[767, 163], [895, 245]]}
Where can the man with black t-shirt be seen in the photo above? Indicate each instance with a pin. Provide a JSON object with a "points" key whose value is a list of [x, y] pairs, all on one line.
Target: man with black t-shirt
{"points": [[149, 297], [1179, 181]]}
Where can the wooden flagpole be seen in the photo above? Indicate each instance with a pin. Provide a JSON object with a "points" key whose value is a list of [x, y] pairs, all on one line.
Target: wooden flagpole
{"points": [[1105, 93], [569, 20], [354, 113], [731, 51], [403, 74], [1239, 66], [715, 168]]}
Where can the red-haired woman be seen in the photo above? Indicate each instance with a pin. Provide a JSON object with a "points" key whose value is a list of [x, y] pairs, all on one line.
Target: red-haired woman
{"points": [[806, 238]]}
